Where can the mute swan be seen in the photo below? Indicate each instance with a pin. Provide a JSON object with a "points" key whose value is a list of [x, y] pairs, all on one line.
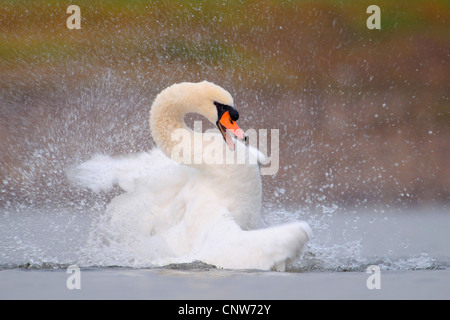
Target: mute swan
{"points": [[196, 211]]}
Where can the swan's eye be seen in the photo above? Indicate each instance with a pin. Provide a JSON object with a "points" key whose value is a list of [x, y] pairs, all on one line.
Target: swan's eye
{"points": [[222, 108], [234, 114]]}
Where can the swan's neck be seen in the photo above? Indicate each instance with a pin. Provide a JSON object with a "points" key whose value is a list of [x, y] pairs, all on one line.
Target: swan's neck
{"points": [[165, 118]]}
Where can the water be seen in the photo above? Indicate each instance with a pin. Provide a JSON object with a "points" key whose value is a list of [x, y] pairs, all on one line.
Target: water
{"points": [[410, 247], [116, 283], [343, 241]]}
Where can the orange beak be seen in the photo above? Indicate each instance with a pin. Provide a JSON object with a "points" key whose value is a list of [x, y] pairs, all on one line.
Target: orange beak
{"points": [[226, 126]]}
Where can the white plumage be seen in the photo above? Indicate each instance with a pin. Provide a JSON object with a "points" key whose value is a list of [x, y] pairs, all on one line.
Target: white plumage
{"points": [[174, 212]]}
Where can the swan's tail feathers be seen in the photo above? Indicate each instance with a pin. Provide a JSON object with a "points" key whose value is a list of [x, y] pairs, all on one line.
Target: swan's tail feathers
{"points": [[102, 172]]}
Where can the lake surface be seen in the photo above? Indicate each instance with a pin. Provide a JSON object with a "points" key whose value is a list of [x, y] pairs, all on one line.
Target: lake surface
{"points": [[409, 246], [113, 283]]}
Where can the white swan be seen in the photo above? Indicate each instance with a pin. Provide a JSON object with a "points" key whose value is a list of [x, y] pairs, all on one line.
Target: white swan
{"points": [[176, 212]]}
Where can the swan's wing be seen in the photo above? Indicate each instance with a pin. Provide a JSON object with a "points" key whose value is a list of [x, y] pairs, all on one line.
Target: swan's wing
{"points": [[101, 172], [228, 246]]}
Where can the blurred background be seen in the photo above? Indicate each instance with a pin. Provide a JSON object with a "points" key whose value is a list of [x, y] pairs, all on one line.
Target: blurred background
{"points": [[363, 114]]}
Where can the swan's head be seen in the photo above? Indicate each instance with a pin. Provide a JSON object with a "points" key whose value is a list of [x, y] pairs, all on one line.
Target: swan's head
{"points": [[217, 105], [205, 98]]}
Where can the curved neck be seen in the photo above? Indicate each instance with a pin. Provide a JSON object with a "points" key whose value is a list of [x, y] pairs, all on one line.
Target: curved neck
{"points": [[166, 117]]}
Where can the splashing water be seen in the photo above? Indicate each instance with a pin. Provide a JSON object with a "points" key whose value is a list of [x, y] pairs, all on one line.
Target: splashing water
{"points": [[342, 242]]}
